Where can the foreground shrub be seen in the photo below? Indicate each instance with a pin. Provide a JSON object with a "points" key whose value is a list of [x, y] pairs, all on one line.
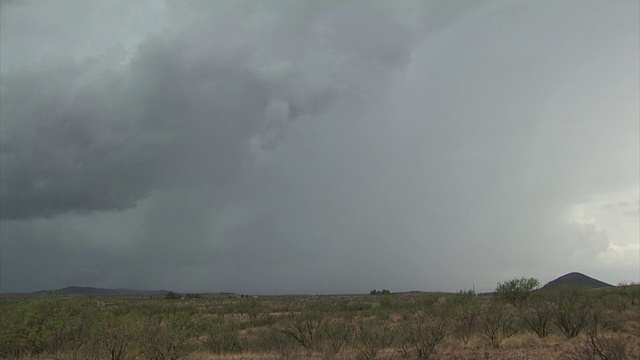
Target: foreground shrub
{"points": [[114, 337], [335, 335], [221, 338], [537, 315], [274, 341], [497, 322], [304, 330], [463, 312], [165, 338], [601, 347], [569, 310], [371, 336], [418, 337]]}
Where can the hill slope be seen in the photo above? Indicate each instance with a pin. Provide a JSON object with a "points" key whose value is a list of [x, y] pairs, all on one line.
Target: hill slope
{"points": [[575, 279]]}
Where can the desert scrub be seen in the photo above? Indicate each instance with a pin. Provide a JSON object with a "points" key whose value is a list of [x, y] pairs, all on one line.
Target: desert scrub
{"points": [[304, 329], [49, 326], [601, 347], [166, 337], [274, 341], [497, 322], [418, 337], [372, 335], [114, 336], [335, 335], [463, 312], [569, 309], [537, 314], [221, 338]]}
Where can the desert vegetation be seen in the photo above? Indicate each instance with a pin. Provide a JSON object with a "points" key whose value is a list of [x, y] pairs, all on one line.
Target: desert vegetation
{"points": [[566, 323]]}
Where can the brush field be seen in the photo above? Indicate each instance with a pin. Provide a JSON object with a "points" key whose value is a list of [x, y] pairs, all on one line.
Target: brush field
{"points": [[563, 324]]}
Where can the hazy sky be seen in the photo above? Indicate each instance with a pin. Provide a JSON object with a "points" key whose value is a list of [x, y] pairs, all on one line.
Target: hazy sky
{"points": [[271, 147]]}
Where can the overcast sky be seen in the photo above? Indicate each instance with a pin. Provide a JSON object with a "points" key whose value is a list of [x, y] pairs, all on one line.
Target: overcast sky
{"points": [[272, 147]]}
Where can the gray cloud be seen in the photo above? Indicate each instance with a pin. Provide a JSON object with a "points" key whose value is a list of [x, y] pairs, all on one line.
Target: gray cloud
{"points": [[317, 147], [103, 133]]}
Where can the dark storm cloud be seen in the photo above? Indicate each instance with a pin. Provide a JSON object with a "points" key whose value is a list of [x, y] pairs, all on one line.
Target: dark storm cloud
{"points": [[315, 147], [73, 142], [103, 133]]}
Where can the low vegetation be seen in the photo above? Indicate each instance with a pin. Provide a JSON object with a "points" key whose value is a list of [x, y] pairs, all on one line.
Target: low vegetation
{"points": [[581, 324]]}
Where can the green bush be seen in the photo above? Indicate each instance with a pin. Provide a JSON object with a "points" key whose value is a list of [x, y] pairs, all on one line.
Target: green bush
{"points": [[516, 291], [49, 325], [463, 312]]}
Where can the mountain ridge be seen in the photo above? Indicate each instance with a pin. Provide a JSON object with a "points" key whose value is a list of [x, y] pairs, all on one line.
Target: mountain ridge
{"points": [[90, 290], [575, 279]]}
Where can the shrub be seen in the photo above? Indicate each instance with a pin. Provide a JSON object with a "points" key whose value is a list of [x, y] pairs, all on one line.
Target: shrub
{"points": [[600, 347], [516, 291], [598, 318], [537, 315], [276, 342], [419, 336], [335, 335], [371, 336], [51, 325], [114, 336], [221, 338], [165, 337], [497, 323], [463, 311], [304, 330], [569, 310]]}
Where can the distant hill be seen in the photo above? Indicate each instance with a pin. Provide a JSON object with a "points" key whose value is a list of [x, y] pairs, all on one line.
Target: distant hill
{"points": [[87, 290], [575, 279]]}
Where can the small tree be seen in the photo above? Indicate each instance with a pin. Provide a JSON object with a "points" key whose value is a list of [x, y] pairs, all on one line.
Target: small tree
{"points": [[516, 291], [382, 292]]}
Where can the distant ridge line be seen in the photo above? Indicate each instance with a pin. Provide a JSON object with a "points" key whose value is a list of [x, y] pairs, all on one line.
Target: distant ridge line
{"points": [[89, 290]]}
